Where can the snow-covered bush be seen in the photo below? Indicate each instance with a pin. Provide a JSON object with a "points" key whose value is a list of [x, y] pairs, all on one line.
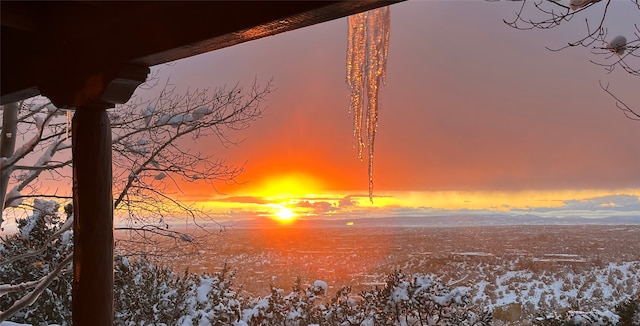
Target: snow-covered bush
{"points": [[579, 318], [418, 299], [32, 254], [147, 294], [211, 300], [629, 311], [299, 307]]}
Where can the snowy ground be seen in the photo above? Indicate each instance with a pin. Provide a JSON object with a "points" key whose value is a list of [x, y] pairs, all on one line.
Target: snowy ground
{"points": [[538, 268]]}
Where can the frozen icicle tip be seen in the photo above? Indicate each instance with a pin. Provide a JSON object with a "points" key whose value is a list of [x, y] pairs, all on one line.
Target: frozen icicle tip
{"points": [[618, 45]]}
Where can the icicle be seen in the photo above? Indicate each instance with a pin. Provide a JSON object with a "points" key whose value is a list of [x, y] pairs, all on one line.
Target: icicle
{"points": [[68, 124], [367, 52]]}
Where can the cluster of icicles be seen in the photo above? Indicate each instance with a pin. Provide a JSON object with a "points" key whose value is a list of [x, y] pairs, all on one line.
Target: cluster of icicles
{"points": [[366, 69]]}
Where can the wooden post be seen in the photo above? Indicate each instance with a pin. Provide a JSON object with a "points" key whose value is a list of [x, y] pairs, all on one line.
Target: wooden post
{"points": [[93, 217]]}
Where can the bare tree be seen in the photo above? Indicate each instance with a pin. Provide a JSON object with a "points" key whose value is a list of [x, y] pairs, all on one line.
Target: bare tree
{"points": [[610, 51], [153, 159]]}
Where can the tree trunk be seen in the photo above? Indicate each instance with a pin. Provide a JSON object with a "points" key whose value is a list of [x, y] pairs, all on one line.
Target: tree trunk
{"points": [[7, 146]]}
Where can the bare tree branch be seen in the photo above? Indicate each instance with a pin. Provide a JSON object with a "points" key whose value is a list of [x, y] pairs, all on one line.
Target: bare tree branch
{"points": [[628, 111], [549, 14], [66, 226], [42, 284]]}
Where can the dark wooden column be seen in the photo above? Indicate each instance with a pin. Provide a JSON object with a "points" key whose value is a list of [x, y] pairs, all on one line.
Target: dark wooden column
{"points": [[91, 95], [93, 209]]}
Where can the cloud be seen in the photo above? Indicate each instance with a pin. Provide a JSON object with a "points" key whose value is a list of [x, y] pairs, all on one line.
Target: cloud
{"points": [[244, 200], [346, 201], [620, 202], [318, 207]]}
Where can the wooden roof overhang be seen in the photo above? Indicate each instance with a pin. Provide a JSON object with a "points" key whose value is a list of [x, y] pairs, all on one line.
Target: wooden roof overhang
{"points": [[50, 47], [90, 55]]}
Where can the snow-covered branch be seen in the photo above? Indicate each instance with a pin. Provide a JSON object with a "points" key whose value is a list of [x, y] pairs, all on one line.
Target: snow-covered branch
{"points": [[30, 145], [38, 167], [42, 284], [148, 158], [64, 228], [190, 115], [611, 51], [8, 288]]}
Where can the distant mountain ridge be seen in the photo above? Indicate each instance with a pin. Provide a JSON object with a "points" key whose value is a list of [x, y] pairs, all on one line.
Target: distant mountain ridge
{"points": [[443, 221]]}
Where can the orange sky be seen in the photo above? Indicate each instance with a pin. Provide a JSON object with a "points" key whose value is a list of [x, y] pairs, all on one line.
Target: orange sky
{"points": [[471, 110]]}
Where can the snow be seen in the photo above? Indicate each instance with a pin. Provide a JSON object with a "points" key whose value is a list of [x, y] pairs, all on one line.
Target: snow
{"points": [[456, 296], [51, 108], [322, 285], [473, 253], [618, 45], [10, 323], [400, 294], [577, 4], [199, 113], [147, 113], [47, 207], [66, 237], [205, 286], [14, 194], [179, 119], [163, 119]]}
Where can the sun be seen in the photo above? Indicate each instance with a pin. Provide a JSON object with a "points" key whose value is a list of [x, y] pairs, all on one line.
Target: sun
{"points": [[284, 215]]}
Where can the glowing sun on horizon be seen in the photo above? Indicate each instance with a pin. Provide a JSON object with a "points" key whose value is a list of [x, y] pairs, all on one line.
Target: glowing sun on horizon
{"points": [[284, 215]]}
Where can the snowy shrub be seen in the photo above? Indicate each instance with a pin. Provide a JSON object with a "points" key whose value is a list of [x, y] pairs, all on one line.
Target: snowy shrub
{"points": [[211, 300], [299, 307], [31, 254], [629, 311], [423, 299], [416, 300], [145, 293], [579, 318], [349, 309]]}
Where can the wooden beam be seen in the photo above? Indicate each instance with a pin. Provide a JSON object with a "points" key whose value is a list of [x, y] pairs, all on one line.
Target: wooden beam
{"points": [[73, 40], [93, 217]]}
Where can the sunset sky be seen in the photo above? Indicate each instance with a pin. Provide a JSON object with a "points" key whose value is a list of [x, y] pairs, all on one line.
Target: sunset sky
{"points": [[476, 117]]}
